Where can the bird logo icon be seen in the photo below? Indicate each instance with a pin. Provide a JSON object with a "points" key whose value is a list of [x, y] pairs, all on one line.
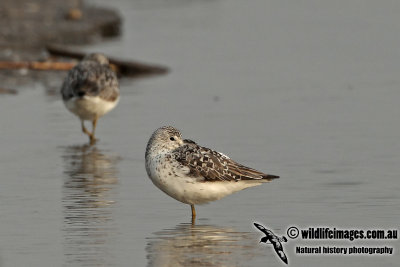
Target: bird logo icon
{"points": [[273, 240]]}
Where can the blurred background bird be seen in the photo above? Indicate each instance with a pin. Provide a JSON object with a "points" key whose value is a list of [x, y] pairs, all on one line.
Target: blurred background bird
{"points": [[91, 90]]}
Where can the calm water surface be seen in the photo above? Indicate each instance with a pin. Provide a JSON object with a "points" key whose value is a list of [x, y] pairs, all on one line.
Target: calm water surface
{"points": [[305, 90]]}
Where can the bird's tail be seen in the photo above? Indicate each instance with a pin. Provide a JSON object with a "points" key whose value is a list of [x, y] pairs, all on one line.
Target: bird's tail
{"points": [[270, 177]]}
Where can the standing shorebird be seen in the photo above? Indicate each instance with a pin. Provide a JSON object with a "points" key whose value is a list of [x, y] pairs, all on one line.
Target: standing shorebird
{"points": [[193, 174], [90, 90]]}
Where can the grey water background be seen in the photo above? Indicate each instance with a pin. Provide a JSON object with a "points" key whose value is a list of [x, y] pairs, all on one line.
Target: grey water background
{"points": [[308, 90]]}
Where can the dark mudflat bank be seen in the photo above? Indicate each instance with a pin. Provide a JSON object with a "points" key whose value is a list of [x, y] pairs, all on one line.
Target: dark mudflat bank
{"points": [[28, 26], [38, 30], [35, 23]]}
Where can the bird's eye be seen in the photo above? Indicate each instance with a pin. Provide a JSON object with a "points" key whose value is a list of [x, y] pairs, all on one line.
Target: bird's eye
{"points": [[172, 138]]}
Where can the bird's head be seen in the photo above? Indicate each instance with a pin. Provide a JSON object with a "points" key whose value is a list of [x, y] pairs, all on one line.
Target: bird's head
{"points": [[166, 138], [97, 57]]}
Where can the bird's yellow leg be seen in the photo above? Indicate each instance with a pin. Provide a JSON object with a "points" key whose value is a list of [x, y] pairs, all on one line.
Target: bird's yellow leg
{"points": [[94, 123], [193, 212], [91, 136], [84, 130]]}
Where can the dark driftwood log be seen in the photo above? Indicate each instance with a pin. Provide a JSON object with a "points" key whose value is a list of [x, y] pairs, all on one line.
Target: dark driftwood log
{"points": [[122, 67]]}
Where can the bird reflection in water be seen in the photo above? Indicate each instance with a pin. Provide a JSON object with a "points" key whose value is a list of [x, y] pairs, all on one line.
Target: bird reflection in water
{"points": [[88, 193], [202, 245]]}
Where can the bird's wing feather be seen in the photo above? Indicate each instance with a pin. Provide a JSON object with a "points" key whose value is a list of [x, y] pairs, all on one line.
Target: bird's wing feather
{"points": [[214, 166], [91, 78]]}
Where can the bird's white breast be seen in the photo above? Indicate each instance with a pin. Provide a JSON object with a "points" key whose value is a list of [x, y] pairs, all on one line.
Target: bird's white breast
{"points": [[174, 180], [89, 107]]}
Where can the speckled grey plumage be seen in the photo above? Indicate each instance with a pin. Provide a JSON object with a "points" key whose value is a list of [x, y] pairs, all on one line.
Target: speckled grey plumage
{"points": [[205, 162], [214, 166], [91, 77], [193, 174]]}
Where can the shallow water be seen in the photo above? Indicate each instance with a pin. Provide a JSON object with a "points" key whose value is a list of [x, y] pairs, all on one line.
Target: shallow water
{"points": [[308, 91]]}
